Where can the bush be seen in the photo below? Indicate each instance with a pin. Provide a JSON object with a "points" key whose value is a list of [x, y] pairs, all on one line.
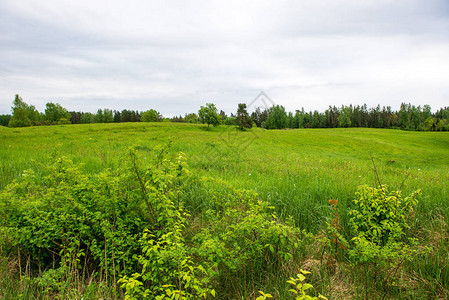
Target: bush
{"points": [[70, 230], [379, 225]]}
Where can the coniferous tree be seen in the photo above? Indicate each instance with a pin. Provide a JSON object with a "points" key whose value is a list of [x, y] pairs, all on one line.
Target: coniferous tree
{"points": [[243, 120]]}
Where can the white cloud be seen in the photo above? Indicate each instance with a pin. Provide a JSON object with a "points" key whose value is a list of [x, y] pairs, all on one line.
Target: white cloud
{"points": [[176, 55]]}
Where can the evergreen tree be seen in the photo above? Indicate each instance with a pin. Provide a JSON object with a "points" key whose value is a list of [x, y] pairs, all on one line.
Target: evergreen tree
{"points": [[316, 119], [243, 120]]}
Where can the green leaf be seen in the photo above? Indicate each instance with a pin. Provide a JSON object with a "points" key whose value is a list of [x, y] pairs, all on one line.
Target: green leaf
{"points": [[304, 272], [306, 286]]}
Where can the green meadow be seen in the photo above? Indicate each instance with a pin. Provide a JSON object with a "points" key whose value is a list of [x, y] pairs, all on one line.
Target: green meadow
{"points": [[296, 171], [289, 168]]}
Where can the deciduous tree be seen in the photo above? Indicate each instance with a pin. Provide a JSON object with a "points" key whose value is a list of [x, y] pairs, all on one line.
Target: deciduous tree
{"points": [[208, 115]]}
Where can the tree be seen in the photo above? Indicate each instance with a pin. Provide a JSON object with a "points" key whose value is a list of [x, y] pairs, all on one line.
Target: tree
{"points": [[117, 116], [344, 119], [108, 116], [87, 118], [223, 116], [243, 120], [300, 118], [125, 116], [191, 118], [208, 115], [258, 116], [135, 116], [151, 116], [99, 117], [277, 118], [404, 119], [4, 120], [316, 120], [75, 117], [23, 114], [54, 112]]}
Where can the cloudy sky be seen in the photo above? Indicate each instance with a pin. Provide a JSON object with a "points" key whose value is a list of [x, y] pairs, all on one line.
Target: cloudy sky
{"points": [[177, 55]]}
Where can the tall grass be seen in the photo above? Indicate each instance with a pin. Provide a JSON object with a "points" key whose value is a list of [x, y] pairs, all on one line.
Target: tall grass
{"points": [[297, 171]]}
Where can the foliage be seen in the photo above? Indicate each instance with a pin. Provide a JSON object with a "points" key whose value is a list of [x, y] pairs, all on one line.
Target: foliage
{"points": [[243, 120], [167, 270], [344, 119], [242, 235], [379, 224], [23, 114], [230, 121], [67, 218], [264, 296], [299, 287], [4, 120], [208, 115], [294, 171], [130, 226], [277, 118], [151, 116], [55, 113], [87, 118], [103, 116], [408, 117], [191, 118]]}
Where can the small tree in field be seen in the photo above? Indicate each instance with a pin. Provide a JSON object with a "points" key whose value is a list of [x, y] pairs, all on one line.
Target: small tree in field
{"points": [[243, 120], [151, 116], [208, 115]]}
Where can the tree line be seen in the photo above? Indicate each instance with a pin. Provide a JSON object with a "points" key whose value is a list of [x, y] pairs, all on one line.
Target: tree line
{"points": [[408, 117]]}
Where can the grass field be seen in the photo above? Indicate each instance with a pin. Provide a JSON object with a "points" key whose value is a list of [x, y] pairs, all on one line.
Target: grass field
{"points": [[290, 168], [297, 171]]}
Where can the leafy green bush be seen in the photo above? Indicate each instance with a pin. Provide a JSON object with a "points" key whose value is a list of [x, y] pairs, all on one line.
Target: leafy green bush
{"points": [[130, 226], [379, 224], [241, 240], [77, 222]]}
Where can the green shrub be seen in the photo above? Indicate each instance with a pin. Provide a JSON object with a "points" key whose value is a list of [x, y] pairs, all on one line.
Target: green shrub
{"points": [[379, 225], [130, 226]]}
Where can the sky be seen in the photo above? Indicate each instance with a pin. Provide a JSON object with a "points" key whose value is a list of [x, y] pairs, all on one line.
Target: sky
{"points": [[174, 56]]}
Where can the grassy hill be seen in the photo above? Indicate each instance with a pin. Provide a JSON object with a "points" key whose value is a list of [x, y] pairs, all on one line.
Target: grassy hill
{"points": [[298, 166], [295, 171]]}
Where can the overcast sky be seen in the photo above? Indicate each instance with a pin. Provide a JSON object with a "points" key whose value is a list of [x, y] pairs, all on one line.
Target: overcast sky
{"points": [[174, 56]]}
